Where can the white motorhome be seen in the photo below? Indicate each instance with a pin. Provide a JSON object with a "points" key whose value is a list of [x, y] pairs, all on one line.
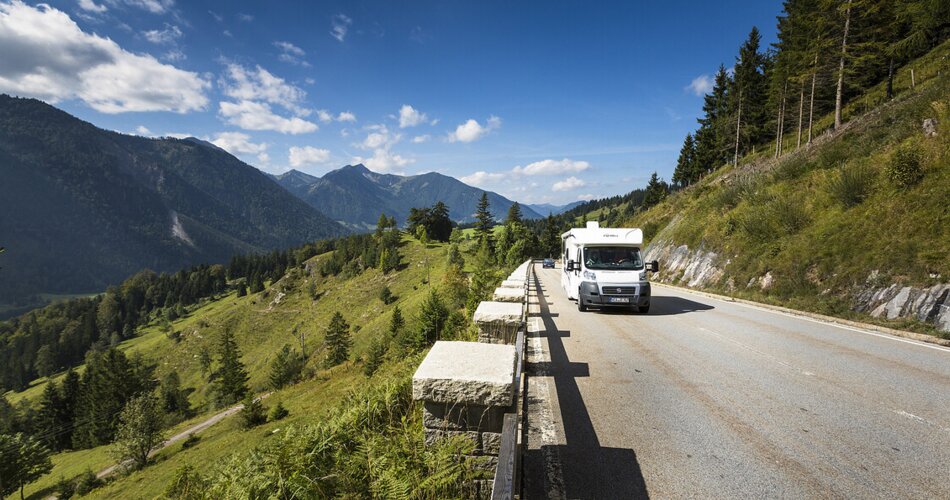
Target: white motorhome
{"points": [[603, 267]]}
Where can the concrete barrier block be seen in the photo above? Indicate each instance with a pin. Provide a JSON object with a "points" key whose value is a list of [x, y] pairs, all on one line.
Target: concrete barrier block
{"points": [[498, 322], [512, 283], [462, 417], [508, 295], [472, 373], [433, 435], [491, 443]]}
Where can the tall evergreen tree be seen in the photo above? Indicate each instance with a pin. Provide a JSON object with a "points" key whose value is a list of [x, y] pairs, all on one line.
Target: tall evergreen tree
{"points": [[23, 459], [683, 174], [712, 137], [748, 95], [514, 214], [108, 383], [51, 418], [337, 340], [229, 381], [656, 191], [484, 223], [432, 318]]}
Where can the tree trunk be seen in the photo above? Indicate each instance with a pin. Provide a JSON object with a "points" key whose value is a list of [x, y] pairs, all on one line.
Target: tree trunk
{"points": [[781, 126], [801, 110], [844, 52], [738, 123]]}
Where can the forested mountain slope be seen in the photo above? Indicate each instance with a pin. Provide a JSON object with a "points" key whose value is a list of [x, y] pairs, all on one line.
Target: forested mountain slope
{"points": [[355, 196], [82, 208]]}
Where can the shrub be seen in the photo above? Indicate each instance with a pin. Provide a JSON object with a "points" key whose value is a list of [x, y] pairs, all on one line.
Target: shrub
{"points": [[253, 413], [190, 441], [65, 488], [86, 482], [904, 168], [850, 186], [375, 357], [278, 412], [386, 295]]}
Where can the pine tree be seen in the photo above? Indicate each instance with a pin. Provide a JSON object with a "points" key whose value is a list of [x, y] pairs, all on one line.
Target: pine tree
{"points": [[655, 193], [375, 357], [69, 399], [337, 340], [396, 322], [51, 418], [229, 381], [285, 368], [253, 412], [748, 95], [440, 225], [514, 214], [711, 138], [174, 399], [550, 238], [432, 318], [23, 459], [685, 169], [484, 224]]}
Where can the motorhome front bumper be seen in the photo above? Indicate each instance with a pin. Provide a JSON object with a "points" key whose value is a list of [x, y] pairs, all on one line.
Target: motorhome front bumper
{"points": [[636, 295]]}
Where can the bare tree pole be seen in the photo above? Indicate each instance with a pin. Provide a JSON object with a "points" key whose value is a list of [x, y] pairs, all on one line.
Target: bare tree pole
{"points": [[844, 52], [811, 97], [801, 110], [738, 123], [781, 126]]}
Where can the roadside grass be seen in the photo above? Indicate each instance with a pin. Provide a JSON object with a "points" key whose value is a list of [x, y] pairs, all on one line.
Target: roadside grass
{"points": [[262, 326], [821, 220]]}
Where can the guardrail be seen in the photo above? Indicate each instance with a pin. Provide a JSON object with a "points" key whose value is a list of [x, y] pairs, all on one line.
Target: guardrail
{"points": [[507, 483], [482, 398]]}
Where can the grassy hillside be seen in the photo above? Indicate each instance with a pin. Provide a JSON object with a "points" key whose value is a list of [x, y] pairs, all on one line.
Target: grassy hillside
{"points": [[833, 219], [262, 323]]}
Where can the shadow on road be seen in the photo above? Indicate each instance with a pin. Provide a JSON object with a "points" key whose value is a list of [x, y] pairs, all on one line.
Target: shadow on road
{"points": [[668, 306], [588, 469]]}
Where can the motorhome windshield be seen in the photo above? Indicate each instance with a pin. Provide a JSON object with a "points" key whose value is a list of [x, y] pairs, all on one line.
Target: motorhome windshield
{"points": [[613, 258]]}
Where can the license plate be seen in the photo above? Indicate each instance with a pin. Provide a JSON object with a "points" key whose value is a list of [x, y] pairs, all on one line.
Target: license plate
{"points": [[620, 300]]}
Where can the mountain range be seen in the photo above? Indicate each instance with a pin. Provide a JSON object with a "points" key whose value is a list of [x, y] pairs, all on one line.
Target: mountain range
{"points": [[355, 196], [82, 208]]}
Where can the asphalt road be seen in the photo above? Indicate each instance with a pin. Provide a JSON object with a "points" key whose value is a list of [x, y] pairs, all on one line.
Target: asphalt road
{"points": [[704, 398]]}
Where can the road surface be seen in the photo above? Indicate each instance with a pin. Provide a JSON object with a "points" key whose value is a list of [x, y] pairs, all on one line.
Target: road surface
{"points": [[705, 398]]}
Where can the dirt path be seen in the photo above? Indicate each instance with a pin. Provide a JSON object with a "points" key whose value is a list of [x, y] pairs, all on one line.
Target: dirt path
{"points": [[184, 434]]}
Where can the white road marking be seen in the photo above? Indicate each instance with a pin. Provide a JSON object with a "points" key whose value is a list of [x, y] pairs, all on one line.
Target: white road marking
{"points": [[919, 419], [822, 322]]}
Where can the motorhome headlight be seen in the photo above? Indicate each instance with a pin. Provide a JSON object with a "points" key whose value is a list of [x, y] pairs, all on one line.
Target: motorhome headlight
{"points": [[643, 275], [589, 275]]}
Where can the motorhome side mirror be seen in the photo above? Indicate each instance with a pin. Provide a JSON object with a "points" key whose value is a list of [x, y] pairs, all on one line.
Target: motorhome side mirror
{"points": [[571, 265], [653, 266]]}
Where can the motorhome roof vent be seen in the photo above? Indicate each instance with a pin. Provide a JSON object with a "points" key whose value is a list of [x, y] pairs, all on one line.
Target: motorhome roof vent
{"points": [[592, 224]]}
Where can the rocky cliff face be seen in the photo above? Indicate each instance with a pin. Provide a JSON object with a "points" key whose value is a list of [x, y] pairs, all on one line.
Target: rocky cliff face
{"points": [[702, 268]]}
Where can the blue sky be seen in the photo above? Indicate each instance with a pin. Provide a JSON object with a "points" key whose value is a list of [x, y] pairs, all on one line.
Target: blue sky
{"points": [[542, 101]]}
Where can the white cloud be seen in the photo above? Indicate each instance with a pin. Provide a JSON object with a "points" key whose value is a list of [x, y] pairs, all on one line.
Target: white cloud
{"points": [[167, 35], [245, 17], [471, 130], [153, 6], [410, 117], [552, 167], [585, 197], [251, 115], [174, 55], [482, 178], [383, 161], [143, 131], [419, 139], [263, 158], [258, 84], [324, 116], [46, 55], [701, 85], [291, 53], [346, 116], [90, 6], [340, 25], [307, 155], [379, 138], [238, 143], [568, 184]]}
